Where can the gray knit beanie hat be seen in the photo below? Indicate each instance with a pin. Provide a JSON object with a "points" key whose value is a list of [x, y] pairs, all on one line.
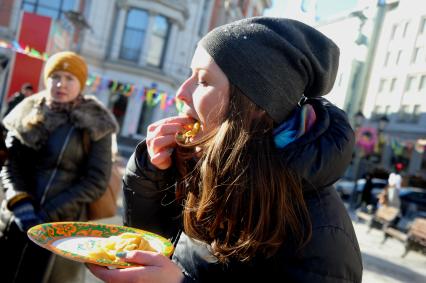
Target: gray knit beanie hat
{"points": [[274, 61]]}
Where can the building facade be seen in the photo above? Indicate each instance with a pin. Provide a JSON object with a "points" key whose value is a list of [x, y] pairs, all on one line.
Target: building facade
{"points": [[138, 51], [382, 77], [397, 86]]}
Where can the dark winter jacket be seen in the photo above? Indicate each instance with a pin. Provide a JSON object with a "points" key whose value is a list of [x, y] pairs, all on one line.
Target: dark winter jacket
{"points": [[14, 100], [37, 153], [320, 157]]}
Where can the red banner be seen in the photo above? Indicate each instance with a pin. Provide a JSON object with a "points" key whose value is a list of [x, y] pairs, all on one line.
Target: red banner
{"points": [[33, 31]]}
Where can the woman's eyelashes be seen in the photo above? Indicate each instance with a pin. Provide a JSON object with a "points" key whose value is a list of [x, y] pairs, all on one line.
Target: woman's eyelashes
{"points": [[202, 80]]}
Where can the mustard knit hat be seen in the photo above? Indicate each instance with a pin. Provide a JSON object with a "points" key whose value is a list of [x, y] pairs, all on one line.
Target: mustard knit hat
{"points": [[69, 62]]}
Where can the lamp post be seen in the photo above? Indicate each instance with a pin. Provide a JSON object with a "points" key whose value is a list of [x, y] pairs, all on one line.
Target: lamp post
{"points": [[381, 126], [359, 119], [383, 122]]}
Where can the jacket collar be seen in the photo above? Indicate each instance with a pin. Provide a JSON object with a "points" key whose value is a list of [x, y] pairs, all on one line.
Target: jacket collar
{"points": [[322, 155], [32, 121]]}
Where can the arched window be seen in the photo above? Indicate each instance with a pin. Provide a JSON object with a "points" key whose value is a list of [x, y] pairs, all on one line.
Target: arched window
{"points": [[158, 41], [134, 34], [50, 8]]}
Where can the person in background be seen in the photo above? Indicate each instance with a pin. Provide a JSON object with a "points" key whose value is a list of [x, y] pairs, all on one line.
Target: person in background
{"points": [[366, 200], [49, 176], [27, 89], [393, 189], [249, 196]]}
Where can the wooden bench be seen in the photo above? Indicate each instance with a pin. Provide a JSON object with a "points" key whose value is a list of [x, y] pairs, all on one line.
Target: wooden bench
{"points": [[381, 219], [364, 216], [414, 239], [417, 236]]}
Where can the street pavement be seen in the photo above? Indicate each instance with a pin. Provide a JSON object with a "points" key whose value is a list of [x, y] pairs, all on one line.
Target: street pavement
{"points": [[382, 262]]}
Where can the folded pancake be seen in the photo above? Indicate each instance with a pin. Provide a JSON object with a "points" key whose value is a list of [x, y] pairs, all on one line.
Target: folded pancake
{"points": [[109, 247], [190, 132]]}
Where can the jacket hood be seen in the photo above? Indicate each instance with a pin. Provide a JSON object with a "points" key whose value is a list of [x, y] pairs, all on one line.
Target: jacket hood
{"points": [[89, 115], [322, 155]]}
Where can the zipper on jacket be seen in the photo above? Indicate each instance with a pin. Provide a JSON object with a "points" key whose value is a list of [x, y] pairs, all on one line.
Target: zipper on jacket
{"points": [[52, 176]]}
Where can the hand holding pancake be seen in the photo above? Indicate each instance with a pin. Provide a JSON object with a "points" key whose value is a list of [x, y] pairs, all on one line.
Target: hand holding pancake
{"points": [[161, 139]]}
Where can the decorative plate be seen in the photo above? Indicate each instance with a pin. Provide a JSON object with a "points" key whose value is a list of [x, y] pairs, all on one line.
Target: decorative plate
{"points": [[75, 240]]}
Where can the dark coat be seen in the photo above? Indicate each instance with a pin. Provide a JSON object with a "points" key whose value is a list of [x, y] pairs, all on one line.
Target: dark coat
{"points": [[320, 157], [14, 100], [78, 178]]}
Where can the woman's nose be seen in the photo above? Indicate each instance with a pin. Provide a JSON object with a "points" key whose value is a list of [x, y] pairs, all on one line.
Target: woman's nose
{"points": [[185, 91]]}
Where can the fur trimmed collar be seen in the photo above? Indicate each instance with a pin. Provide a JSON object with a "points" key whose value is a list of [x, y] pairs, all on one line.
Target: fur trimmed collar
{"points": [[89, 115]]}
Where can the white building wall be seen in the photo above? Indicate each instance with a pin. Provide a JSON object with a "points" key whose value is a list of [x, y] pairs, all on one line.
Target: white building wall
{"points": [[344, 33], [101, 48], [189, 22], [95, 43], [395, 63], [395, 41]]}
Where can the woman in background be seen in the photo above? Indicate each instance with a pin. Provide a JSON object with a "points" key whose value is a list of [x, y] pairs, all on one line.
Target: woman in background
{"points": [[49, 175]]}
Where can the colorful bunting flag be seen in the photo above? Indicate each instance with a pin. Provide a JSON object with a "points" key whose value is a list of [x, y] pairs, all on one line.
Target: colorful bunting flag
{"points": [[95, 83]]}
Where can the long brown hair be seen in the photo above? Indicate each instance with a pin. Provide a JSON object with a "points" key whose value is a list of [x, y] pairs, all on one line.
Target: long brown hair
{"points": [[239, 197]]}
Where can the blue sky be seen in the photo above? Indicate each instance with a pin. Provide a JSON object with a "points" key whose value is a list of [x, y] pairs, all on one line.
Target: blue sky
{"points": [[325, 8]]}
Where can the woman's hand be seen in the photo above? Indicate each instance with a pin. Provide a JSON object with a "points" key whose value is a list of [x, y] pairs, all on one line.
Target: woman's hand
{"points": [[161, 139], [156, 268]]}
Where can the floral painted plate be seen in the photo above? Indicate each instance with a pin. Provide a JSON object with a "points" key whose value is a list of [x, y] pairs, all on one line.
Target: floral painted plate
{"points": [[75, 240]]}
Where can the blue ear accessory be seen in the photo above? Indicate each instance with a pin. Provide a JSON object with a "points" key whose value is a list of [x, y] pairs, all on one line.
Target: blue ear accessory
{"points": [[294, 127], [287, 131]]}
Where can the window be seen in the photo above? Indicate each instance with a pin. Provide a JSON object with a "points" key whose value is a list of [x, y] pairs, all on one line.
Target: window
{"points": [[423, 166], [392, 86], [410, 83], [393, 33], [119, 102], [422, 84], [404, 114], [376, 113], [133, 35], [158, 41], [416, 113], [204, 20], [244, 4], [340, 80], [387, 110], [398, 57], [422, 29], [415, 55], [50, 8], [145, 119], [387, 58], [382, 85], [404, 33]]}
